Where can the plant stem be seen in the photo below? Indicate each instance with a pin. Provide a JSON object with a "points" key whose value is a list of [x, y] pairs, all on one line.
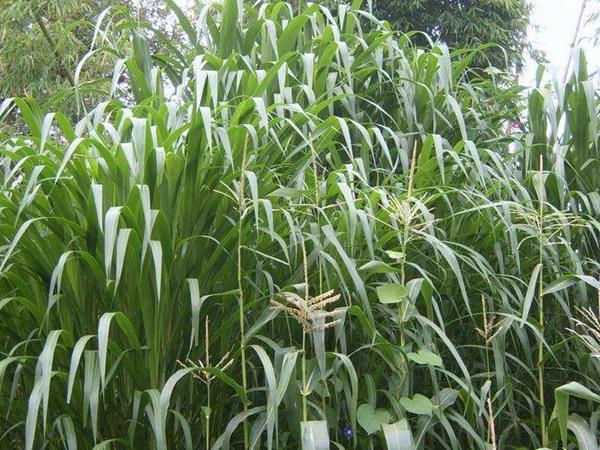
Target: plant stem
{"points": [[208, 379], [401, 311], [304, 386], [405, 238], [241, 210], [306, 298], [540, 362], [487, 334], [317, 206], [318, 215], [208, 414], [319, 252]]}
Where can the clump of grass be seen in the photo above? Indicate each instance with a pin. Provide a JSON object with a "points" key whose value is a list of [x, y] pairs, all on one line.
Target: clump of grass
{"points": [[115, 240]]}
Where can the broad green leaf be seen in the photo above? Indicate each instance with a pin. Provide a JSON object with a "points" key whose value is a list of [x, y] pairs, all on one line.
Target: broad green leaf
{"points": [[419, 404], [371, 419], [562, 395], [223, 440], [228, 29], [185, 427], [290, 33], [425, 357], [568, 280], [162, 407], [287, 192], [222, 376], [445, 398], [389, 293], [378, 267], [586, 440], [75, 358], [271, 390], [395, 255]]}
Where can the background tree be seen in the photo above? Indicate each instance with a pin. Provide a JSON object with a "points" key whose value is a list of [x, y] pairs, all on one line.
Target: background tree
{"points": [[465, 24], [42, 42]]}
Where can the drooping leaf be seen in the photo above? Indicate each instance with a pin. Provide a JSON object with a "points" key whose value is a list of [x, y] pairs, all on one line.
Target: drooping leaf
{"points": [[398, 436], [562, 395]]}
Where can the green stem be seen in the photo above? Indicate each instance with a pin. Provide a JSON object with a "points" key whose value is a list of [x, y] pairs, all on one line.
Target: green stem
{"points": [[304, 386], [540, 362], [319, 254], [405, 237], [401, 312], [540, 365], [487, 332], [241, 211], [208, 414], [242, 333]]}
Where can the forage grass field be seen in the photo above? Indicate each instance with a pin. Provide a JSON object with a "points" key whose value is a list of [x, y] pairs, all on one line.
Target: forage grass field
{"points": [[296, 229]]}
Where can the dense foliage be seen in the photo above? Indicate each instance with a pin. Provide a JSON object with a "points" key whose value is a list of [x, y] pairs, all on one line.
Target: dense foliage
{"points": [[43, 42], [462, 24], [299, 232]]}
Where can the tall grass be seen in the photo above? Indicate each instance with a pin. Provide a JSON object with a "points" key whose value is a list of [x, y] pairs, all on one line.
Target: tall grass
{"points": [[300, 156]]}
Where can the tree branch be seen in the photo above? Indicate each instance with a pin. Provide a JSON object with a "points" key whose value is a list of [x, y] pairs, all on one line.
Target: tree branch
{"points": [[64, 72]]}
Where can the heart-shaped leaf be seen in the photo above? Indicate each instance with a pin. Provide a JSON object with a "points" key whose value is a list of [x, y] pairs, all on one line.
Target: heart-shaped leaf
{"points": [[425, 357], [392, 293], [371, 419], [419, 404]]}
